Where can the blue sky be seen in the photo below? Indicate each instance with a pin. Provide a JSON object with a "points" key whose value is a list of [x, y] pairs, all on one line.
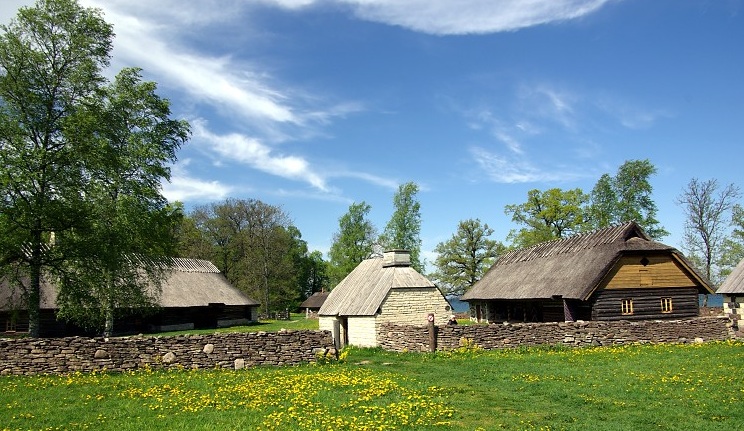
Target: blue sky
{"points": [[311, 105]]}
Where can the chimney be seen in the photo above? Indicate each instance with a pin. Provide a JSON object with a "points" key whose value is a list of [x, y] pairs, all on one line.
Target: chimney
{"points": [[396, 258]]}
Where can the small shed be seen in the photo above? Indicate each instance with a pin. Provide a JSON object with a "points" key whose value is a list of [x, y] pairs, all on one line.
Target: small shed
{"points": [[381, 289], [194, 294], [313, 303], [732, 290], [617, 273]]}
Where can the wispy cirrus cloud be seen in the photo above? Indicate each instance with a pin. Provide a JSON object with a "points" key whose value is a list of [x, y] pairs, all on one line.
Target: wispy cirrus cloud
{"points": [[443, 17], [183, 187], [512, 169], [252, 152]]}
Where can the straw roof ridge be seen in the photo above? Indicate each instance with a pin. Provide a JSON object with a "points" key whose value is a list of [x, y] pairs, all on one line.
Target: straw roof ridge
{"points": [[572, 244], [192, 265]]}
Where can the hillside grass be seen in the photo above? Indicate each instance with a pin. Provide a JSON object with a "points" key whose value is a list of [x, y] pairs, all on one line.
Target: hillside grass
{"points": [[659, 387]]}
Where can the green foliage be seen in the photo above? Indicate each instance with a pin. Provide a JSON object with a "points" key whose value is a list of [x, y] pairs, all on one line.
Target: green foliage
{"points": [[51, 57], [254, 245], [733, 245], [404, 228], [626, 197], [314, 274], [465, 257], [120, 254], [547, 215], [352, 243]]}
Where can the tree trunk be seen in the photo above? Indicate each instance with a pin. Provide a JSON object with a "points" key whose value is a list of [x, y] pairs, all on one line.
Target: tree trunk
{"points": [[34, 293]]}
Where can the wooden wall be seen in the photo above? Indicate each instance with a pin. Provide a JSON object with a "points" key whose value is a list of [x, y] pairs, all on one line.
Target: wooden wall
{"points": [[659, 271], [607, 304]]}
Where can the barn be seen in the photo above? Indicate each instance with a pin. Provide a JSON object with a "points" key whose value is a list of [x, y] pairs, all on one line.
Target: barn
{"points": [[194, 295], [732, 290], [617, 273], [312, 304], [381, 289]]}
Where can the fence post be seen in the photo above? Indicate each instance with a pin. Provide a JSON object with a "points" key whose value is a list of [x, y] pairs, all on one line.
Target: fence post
{"points": [[432, 333]]}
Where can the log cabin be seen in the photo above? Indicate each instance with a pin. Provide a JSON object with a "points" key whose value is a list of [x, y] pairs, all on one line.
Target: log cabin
{"points": [[194, 294], [616, 273]]}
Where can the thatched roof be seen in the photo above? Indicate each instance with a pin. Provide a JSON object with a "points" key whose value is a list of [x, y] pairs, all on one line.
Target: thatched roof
{"points": [[315, 300], [362, 292], [571, 268], [188, 283], [734, 283], [198, 283]]}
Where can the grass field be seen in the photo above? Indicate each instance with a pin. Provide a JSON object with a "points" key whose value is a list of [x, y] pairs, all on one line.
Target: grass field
{"points": [[296, 321], [663, 387]]}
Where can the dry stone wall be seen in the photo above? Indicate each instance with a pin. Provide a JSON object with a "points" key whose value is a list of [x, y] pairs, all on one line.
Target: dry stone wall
{"points": [[574, 334], [229, 350]]}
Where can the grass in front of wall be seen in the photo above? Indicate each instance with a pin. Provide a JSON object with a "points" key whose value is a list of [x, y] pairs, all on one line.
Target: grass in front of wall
{"points": [[296, 321], [660, 387]]}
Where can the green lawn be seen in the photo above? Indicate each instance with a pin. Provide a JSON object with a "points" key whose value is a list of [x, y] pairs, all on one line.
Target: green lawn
{"points": [[296, 321], [664, 387]]}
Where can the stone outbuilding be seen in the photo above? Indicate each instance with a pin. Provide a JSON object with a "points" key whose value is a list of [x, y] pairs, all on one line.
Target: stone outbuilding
{"points": [[732, 290], [381, 289]]}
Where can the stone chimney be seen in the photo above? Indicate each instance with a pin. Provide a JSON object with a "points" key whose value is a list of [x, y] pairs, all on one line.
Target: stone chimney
{"points": [[396, 258]]}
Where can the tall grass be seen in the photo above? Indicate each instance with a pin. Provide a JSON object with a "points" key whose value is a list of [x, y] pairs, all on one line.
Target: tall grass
{"points": [[660, 387]]}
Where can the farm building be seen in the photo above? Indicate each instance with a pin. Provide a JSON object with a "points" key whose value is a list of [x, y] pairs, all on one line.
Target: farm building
{"points": [[312, 304], [194, 295], [380, 290], [732, 290], [617, 273]]}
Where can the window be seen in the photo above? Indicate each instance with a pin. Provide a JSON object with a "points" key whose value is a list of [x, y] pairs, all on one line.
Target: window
{"points": [[627, 306], [666, 305]]}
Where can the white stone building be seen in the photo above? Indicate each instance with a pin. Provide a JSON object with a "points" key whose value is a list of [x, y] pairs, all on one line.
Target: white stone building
{"points": [[381, 290], [732, 290]]}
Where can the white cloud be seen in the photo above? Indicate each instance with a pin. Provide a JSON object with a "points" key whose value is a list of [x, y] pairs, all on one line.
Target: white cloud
{"points": [[471, 16], [517, 169], [630, 115], [547, 102], [183, 187], [252, 152]]}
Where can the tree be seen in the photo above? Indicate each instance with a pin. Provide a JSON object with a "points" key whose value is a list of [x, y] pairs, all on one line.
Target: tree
{"points": [[602, 210], [51, 57], [352, 243], [707, 217], [547, 215], [314, 276], [122, 252], [733, 245], [626, 197], [254, 246], [466, 256], [404, 228]]}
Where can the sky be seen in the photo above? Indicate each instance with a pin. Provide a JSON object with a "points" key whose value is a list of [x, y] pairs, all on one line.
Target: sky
{"points": [[312, 105]]}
